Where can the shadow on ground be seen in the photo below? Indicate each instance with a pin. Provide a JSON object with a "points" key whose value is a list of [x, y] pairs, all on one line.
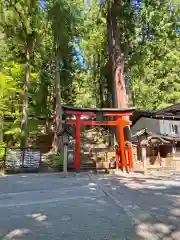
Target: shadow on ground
{"points": [[153, 202], [49, 207]]}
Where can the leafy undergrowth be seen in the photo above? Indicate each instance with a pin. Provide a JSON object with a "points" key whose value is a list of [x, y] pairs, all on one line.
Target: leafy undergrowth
{"points": [[54, 160]]}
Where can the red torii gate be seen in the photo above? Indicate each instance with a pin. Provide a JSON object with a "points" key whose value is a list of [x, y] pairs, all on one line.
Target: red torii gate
{"points": [[110, 112]]}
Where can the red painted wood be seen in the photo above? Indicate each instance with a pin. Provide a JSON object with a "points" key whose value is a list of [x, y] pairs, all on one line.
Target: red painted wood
{"points": [[80, 113], [117, 114], [77, 147], [121, 123], [117, 152], [94, 114], [130, 155], [122, 144]]}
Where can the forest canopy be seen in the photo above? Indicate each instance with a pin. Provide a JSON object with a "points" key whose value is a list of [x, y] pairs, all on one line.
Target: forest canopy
{"points": [[55, 52]]}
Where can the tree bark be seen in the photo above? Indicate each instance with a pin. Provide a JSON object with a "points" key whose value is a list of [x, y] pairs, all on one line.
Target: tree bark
{"points": [[1, 128], [57, 142], [24, 120], [116, 59], [100, 84], [116, 56]]}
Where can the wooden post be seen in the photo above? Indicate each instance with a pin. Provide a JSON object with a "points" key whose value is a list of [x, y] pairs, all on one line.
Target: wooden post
{"points": [[77, 148], [130, 155], [173, 150], [139, 149], [117, 156], [159, 156], [65, 159], [121, 144], [117, 160], [143, 154]]}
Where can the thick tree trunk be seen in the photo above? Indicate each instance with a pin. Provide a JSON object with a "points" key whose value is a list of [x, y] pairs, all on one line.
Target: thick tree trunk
{"points": [[24, 120], [57, 142], [116, 58], [1, 128], [101, 87], [116, 55]]}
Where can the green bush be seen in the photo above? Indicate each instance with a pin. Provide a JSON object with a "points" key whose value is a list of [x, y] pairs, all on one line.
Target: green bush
{"points": [[57, 160], [2, 150]]}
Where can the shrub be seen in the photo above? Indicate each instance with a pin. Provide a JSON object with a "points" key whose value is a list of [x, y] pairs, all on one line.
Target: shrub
{"points": [[2, 150], [57, 160]]}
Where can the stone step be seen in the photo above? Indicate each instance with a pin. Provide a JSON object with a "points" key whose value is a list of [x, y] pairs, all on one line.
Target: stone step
{"points": [[86, 159], [87, 166], [83, 166]]}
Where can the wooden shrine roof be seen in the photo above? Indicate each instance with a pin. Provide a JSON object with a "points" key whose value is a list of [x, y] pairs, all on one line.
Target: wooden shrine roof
{"points": [[147, 138], [170, 110], [139, 113], [170, 113], [94, 110]]}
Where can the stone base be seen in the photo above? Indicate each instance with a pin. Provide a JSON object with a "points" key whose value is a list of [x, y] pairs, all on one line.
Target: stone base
{"points": [[102, 165], [2, 173], [175, 164]]}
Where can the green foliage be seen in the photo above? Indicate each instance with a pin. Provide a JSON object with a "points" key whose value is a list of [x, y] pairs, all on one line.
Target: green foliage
{"points": [[25, 25], [93, 83], [56, 160], [150, 44], [10, 105], [2, 150], [65, 29], [153, 73]]}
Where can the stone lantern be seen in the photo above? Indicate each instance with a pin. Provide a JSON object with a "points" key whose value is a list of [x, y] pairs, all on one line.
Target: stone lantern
{"points": [[65, 133]]}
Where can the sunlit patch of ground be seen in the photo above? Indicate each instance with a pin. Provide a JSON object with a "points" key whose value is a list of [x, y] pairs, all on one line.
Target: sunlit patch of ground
{"points": [[45, 207], [153, 202]]}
